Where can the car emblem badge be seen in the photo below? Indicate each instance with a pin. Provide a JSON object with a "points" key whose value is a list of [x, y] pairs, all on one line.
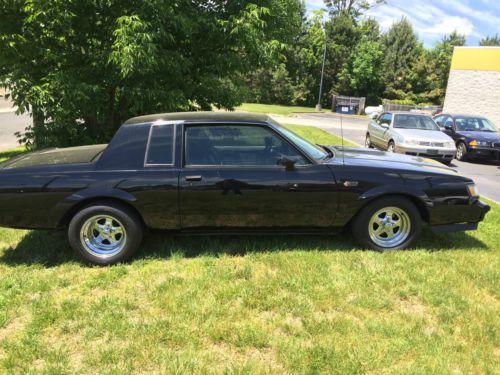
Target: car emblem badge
{"points": [[351, 183]]}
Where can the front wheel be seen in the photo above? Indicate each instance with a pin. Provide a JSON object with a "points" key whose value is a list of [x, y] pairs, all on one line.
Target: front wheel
{"points": [[368, 141], [462, 152], [105, 233], [391, 147], [391, 223]]}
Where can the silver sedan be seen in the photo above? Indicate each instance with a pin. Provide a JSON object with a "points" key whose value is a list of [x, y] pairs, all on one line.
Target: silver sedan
{"points": [[411, 134]]}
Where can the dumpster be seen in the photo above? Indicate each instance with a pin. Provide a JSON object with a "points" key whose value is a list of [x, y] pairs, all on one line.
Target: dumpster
{"points": [[347, 109]]}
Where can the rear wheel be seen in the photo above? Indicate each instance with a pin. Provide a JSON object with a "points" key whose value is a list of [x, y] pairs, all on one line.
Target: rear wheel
{"points": [[462, 152], [391, 147], [391, 223], [105, 234]]}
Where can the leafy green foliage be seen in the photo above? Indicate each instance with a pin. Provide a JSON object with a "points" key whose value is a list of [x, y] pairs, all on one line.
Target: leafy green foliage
{"points": [[490, 41], [81, 67]]}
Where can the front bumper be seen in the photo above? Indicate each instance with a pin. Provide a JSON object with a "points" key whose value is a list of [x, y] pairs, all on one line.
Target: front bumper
{"points": [[476, 212], [485, 152], [436, 153]]}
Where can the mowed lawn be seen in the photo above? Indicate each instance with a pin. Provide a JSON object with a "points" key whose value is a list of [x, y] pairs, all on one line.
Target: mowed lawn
{"points": [[283, 110], [253, 305]]}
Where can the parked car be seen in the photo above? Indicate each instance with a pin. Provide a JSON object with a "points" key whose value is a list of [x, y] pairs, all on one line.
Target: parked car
{"points": [[475, 136], [411, 134], [228, 173]]}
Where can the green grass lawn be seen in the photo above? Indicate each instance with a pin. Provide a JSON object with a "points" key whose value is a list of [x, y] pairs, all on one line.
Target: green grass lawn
{"points": [[275, 109], [253, 305]]}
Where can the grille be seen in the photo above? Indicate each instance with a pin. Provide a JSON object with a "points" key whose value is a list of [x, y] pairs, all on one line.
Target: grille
{"points": [[432, 144]]}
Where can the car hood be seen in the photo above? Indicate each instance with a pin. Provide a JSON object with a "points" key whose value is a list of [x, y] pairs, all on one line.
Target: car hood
{"points": [[424, 135], [481, 136], [380, 159]]}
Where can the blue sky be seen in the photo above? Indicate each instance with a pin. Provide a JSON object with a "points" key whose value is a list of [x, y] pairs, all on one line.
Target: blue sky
{"points": [[433, 19]]}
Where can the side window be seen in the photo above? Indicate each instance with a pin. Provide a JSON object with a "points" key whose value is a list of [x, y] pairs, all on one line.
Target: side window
{"points": [[161, 145], [236, 145], [448, 121], [386, 118], [440, 121]]}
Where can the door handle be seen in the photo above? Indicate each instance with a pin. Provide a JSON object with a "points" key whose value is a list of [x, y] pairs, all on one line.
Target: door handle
{"points": [[194, 178]]}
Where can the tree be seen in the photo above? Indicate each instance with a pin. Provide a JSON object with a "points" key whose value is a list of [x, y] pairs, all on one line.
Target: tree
{"points": [[362, 75], [352, 8], [81, 67], [440, 65], [402, 50], [490, 41]]}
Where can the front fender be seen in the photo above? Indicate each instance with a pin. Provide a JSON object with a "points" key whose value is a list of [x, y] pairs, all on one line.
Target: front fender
{"points": [[409, 191]]}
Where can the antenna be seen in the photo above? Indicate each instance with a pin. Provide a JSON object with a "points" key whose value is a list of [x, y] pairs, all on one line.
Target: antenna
{"points": [[342, 137]]}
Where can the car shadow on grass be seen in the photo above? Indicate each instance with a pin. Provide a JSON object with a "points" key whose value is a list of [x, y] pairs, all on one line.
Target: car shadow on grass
{"points": [[51, 249]]}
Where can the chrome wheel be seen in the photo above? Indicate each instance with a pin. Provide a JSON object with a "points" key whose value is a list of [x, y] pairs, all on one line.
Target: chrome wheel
{"points": [[103, 236], [389, 227], [392, 147]]}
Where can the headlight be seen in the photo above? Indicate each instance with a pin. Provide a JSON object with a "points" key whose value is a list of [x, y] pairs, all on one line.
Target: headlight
{"points": [[473, 191], [412, 142], [449, 144]]}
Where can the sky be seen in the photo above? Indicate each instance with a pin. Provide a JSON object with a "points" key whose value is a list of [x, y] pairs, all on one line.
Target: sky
{"points": [[433, 19]]}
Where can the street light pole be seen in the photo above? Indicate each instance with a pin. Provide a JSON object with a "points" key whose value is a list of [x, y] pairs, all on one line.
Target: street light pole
{"points": [[318, 106]]}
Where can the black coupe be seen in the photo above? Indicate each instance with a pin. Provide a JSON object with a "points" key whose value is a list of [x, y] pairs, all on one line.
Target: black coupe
{"points": [[475, 136], [228, 173]]}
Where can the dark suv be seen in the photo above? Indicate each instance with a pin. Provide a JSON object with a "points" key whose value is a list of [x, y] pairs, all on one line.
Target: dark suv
{"points": [[475, 136]]}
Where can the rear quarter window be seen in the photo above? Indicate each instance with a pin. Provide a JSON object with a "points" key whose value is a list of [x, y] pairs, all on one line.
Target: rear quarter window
{"points": [[160, 149]]}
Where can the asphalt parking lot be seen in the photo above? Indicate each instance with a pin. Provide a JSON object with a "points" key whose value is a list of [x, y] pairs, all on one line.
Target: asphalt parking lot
{"points": [[485, 174]]}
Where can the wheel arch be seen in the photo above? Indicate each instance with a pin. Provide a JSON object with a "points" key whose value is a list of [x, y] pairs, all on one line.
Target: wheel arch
{"points": [[418, 201], [96, 200]]}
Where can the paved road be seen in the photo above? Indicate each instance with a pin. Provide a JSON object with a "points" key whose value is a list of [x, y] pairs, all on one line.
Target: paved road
{"points": [[485, 174], [10, 123]]}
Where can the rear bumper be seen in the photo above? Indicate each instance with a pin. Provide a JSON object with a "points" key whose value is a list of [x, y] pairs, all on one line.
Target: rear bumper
{"points": [[476, 213]]}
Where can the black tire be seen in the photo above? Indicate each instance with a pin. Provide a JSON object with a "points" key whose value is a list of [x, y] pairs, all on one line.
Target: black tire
{"points": [[462, 153], [392, 146], [368, 141], [122, 217], [361, 224]]}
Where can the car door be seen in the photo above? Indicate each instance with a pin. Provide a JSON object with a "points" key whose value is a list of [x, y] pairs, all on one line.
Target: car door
{"points": [[248, 176], [449, 126], [381, 127]]}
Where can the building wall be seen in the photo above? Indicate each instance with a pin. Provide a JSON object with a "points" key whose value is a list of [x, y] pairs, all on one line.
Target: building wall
{"points": [[474, 83]]}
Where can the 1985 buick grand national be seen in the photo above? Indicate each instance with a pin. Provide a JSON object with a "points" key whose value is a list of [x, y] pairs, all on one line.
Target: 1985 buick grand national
{"points": [[228, 173]]}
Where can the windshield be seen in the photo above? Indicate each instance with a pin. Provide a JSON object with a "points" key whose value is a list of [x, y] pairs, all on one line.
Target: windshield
{"points": [[474, 124], [414, 122], [310, 149]]}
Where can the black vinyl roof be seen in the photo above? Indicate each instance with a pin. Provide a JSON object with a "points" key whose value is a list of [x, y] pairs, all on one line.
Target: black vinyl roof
{"points": [[239, 117]]}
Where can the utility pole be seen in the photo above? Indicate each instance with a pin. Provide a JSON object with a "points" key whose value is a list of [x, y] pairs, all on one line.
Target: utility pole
{"points": [[318, 106]]}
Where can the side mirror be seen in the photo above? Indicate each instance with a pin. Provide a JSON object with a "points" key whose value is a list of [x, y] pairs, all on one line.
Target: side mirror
{"points": [[384, 125], [287, 163], [448, 127]]}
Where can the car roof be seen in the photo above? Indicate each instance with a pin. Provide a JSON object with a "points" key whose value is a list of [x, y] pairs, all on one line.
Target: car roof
{"points": [[464, 116], [238, 117], [407, 113]]}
